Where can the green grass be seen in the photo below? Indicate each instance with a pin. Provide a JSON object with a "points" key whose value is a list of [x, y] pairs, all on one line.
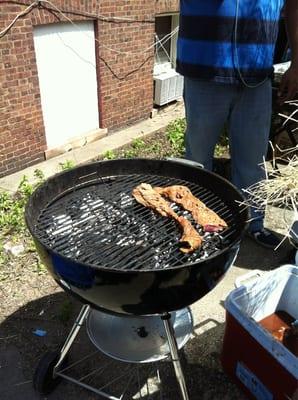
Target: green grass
{"points": [[163, 144], [12, 221], [175, 134], [109, 155], [138, 144], [12, 206], [67, 164]]}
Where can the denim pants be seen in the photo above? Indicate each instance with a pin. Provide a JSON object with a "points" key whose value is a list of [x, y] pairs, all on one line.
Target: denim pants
{"points": [[247, 113]]}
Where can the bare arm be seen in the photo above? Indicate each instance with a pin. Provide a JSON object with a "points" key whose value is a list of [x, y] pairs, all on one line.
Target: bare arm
{"points": [[291, 18], [289, 83]]}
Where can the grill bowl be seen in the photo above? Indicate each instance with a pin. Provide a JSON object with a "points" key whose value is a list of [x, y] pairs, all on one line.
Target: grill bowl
{"points": [[112, 253]]}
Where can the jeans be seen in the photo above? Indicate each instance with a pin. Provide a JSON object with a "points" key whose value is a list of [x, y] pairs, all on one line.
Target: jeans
{"points": [[247, 113]]}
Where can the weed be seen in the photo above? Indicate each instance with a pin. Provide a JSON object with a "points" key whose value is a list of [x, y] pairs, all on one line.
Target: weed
{"points": [[222, 147], [155, 148], [12, 205], [175, 134], [65, 311], [40, 267], [109, 155], [66, 165], [138, 144], [12, 208], [221, 150], [130, 153], [39, 175]]}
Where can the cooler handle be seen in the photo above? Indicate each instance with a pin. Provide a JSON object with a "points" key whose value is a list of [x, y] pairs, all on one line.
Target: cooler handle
{"points": [[239, 281]]}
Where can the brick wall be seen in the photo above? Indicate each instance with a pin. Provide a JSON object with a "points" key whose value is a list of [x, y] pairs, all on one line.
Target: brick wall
{"points": [[166, 6], [130, 99], [21, 127], [124, 97]]}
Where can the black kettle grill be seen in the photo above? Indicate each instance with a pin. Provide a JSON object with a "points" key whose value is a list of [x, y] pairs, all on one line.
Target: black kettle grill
{"points": [[118, 257]]}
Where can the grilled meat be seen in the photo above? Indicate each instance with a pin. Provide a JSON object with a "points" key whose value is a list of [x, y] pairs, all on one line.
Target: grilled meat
{"points": [[208, 219], [148, 197], [190, 238]]}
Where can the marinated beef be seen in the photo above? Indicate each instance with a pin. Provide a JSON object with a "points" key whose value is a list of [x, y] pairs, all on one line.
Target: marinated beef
{"points": [[208, 219], [148, 197]]}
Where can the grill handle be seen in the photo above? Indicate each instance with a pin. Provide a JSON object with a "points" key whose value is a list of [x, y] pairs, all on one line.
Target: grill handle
{"points": [[185, 162]]}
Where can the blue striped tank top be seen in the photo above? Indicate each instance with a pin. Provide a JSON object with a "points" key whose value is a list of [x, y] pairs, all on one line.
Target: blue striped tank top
{"points": [[221, 40]]}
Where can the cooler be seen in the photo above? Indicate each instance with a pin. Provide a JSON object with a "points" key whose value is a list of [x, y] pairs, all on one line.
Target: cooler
{"points": [[262, 366]]}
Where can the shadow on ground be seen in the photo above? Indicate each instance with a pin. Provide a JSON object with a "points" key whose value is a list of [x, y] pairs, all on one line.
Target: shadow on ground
{"points": [[22, 351], [253, 256]]}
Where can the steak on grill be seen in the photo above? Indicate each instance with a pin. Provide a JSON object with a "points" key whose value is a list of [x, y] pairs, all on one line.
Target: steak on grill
{"points": [[205, 217], [148, 197]]}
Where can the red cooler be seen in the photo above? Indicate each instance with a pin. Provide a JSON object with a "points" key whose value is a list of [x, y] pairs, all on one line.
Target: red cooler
{"points": [[261, 365]]}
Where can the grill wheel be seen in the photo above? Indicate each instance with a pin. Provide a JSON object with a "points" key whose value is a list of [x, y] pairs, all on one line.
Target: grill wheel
{"points": [[43, 381]]}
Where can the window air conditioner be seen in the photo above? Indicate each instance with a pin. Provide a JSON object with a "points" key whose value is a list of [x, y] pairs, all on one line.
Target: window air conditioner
{"points": [[168, 87]]}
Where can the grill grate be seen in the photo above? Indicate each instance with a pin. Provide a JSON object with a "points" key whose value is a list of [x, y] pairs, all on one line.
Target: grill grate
{"points": [[102, 225]]}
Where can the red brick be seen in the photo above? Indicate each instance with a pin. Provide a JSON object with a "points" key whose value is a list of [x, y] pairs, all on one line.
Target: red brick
{"points": [[121, 102]]}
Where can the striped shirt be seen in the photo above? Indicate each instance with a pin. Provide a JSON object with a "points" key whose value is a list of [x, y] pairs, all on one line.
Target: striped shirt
{"points": [[221, 40]]}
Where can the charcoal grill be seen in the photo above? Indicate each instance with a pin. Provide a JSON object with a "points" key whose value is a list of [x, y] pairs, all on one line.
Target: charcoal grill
{"points": [[120, 258]]}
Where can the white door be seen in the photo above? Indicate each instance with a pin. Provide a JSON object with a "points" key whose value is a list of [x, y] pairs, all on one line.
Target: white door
{"points": [[66, 66]]}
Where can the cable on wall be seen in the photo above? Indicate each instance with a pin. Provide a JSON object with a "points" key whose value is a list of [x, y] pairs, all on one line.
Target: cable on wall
{"points": [[20, 15], [54, 10], [130, 53], [100, 17]]}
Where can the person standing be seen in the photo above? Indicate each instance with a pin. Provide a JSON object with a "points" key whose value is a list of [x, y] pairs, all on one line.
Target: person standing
{"points": [[225, 53]]}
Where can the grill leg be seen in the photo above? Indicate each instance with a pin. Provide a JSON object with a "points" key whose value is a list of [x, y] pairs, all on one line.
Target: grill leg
{"points": [[174, 355], [72, 335]]}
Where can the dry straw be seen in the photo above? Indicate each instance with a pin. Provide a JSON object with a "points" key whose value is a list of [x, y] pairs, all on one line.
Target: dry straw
{"points": [[279, 189]]}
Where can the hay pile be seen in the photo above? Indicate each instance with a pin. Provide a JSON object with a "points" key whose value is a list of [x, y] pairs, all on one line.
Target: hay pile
{"points": [[280, 188]]}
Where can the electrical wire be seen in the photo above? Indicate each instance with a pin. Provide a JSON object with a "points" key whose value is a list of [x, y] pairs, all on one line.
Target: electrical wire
{"points": [[40, 4], [163, 48], [156, 44], [21, 14], [125, 76], [242, 79], [96, 16], [131, 53], [54, 9]]}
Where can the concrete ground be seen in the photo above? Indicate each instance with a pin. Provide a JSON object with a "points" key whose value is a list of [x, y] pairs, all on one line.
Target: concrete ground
{"points": [[205, 377]]}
